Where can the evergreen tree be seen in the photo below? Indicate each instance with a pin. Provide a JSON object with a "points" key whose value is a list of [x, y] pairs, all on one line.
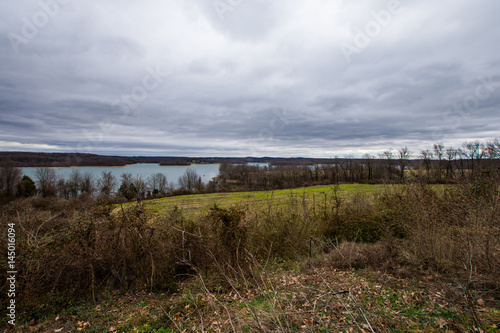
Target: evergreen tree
{"points": [[28, 186]]}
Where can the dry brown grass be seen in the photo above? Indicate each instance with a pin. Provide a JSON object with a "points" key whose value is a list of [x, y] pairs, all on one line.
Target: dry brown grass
{"points": [[351, 255]]}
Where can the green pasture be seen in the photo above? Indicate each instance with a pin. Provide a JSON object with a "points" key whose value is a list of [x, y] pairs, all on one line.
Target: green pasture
{"points": [[314, 195]]}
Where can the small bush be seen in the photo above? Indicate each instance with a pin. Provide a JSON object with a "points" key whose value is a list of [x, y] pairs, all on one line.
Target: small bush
{"points": [[379, 256]]}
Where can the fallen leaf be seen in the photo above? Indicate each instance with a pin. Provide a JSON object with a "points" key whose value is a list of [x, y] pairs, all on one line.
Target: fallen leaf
{"points": [[480, 302], [441, 322]]}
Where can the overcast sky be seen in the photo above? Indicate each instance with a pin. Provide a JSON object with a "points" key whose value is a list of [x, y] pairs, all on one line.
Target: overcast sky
{"points": [[315, 78]]}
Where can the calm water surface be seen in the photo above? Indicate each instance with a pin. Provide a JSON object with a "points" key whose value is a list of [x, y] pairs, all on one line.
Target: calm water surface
{"points": [[205, 171]]}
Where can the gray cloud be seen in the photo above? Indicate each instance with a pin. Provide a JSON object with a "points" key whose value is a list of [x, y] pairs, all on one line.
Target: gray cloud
{"points": [[248, 78]]}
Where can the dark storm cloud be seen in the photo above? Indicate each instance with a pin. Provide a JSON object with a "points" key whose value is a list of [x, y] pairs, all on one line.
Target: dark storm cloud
{"points": [[247, 77]]}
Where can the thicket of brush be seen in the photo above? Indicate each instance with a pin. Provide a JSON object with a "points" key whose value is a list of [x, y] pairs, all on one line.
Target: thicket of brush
{"points": [[67, 250]]}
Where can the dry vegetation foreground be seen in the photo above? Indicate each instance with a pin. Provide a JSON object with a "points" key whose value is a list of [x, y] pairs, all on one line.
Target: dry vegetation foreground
{"points": [[282, 298], [349, 258]]}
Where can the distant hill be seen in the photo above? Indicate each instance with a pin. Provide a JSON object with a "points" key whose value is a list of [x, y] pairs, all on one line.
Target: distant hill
{"points": [[27, 159]]}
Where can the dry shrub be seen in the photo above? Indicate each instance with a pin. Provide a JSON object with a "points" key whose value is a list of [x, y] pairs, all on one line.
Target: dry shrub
{"points": [[280, 232], [357, 219], [213, 246], [456, 231], [285, 230], [65, 257], [379, 256]]}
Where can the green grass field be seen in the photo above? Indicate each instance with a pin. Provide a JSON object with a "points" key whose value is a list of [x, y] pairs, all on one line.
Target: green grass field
{"points": [[199, 203]]}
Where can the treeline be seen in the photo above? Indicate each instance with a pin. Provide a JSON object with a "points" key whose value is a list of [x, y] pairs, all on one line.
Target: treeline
{"points": [[175, 161], [85, 185], [28, 159], [437, 165]]}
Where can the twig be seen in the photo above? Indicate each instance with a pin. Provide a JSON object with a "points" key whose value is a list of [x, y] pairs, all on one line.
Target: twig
{"points": [[172, 319], [361, 311], [204, 286], [184, 231], [337, 293]]}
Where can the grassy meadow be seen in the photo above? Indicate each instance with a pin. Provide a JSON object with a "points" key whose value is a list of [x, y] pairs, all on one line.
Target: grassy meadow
{"points": [[194, 204]]}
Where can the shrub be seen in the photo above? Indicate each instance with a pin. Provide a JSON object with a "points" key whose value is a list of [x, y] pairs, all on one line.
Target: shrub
{"points": [[456, 230], [379, 256]]}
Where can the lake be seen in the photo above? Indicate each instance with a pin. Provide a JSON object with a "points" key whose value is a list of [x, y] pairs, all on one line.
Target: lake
{"points": [[205, 171]]}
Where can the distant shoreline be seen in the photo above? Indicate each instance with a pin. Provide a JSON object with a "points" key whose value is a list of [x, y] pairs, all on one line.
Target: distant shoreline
{"points": [[114, 166], [82, 166]]}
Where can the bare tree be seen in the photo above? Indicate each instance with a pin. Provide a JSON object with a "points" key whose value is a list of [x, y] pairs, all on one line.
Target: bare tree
{"points": [[345, 165], [403, 157], [63, 188], [199, 185], [493, 149], [224, 171], [158, 183], [126, 178], [106, 184], [132, 188], [189, 180], [461, 162], [368, 160], [451, 155], [388, 155], [87, 184], [474, 151], [73, 183], [439, 153], [427, 158], [10, 180], [140, 187], [47, 179]]}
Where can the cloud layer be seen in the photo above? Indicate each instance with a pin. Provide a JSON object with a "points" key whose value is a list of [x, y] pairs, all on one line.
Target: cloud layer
{"points": [[239, 77]]}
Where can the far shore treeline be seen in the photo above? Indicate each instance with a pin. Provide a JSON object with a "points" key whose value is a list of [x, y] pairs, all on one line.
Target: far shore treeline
{"points": [[61, 160]]}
